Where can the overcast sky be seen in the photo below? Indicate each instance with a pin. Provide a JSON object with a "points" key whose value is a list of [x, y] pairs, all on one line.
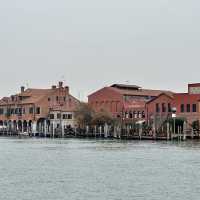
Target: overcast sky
{"points": [[94, 43]]}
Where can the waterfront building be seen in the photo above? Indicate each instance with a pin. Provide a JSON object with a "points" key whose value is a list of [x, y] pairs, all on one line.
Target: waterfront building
{"points": [[187, 105], [126, 102], [39, 110]]}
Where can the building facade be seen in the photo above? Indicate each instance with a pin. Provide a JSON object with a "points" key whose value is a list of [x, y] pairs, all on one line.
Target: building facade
{"points": [[187, 105], [32, 110], [126, 102]]}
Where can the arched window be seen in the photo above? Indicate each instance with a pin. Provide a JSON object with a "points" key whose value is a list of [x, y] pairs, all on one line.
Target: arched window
{"points": [[130, 115]]}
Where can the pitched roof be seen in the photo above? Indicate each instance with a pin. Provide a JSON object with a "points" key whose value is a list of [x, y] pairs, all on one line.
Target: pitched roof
{"points": [[34, 95], [141, 92], [124, 86], [168, 94], [30, 96]]}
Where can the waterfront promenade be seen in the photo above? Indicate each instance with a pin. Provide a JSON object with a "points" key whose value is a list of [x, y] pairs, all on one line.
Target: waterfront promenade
{"points": [[110, 133]]}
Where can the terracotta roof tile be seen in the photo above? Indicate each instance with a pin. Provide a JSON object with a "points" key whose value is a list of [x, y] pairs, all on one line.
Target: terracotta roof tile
{"points": [[141, 92]]}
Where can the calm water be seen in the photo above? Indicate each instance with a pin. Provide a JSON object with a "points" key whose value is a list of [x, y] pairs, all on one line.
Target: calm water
{"points": [[73, 169]]}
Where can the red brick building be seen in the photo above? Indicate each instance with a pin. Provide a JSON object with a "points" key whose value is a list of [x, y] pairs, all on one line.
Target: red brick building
{"points": [[38, 110], [123, 101], [186, 104]]}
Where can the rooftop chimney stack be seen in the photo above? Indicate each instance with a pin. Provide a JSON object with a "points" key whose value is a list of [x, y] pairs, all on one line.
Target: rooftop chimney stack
{"points": [[67, 89], [60, 84], [22, 89]]}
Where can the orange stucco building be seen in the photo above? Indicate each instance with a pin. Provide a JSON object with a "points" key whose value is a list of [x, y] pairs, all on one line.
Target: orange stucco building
{"points": [[38, 110]]}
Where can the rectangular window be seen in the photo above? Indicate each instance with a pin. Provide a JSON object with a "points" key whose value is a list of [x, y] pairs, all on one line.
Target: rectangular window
{"points": [[69, 116], [157, 108], [1, 111], [194, 108], [8, 112], [38, 110], [182, 108], [12, 111], [51, 116], [130, 115], [31, 110], [64, 116], [163, 107], [20, 111], [188, 107], [169, 107]]}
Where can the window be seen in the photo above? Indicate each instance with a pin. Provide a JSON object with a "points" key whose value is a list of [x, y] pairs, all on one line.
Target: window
{"points": [[1, 111], [12, 111], [38, 110], [194, 108], [31, 110], [64, 116], [182, 108], [188, 107], [49, 99], [8, 112], [57, 98], [20, 111], [24, 111], [51, 116], [157, 108], [163, 107], [58, 116], [64, 98], [169, 107], [69, 116], [130, 115]]}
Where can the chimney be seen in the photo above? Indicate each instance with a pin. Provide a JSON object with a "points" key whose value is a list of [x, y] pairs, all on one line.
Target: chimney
{"points": [[67, 89], [60, 84], [22, 89], [53, 87]]}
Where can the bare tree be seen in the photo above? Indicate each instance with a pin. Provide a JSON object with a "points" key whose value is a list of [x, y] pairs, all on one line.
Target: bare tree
{"points": [[84, 115], [102, 117]]}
